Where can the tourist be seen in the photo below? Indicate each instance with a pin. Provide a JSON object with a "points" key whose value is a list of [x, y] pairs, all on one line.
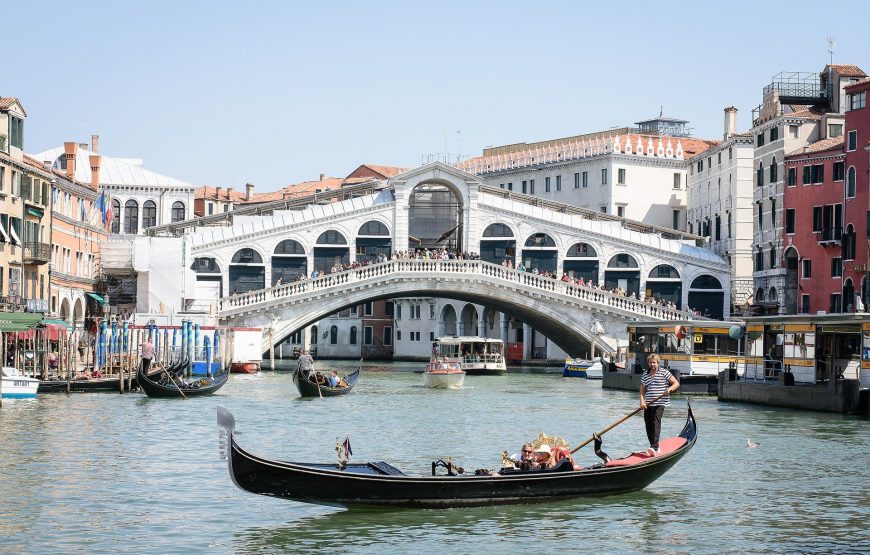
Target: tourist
{"points": [[543, 458], [654, 382], [147, 354], [524, 460], [334, 380], [305, 363]]}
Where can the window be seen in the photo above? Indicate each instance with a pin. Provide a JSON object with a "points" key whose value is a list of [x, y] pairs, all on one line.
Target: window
{"points": [[577, 180], [791, 177], [773, 258], [836, 303], [620, 176], [546, 184], [531, 186], [388, 336], [431, 311], [510, 186], [700, 166], [149, 213], [773, 212], [676, 220], [2, 178], [818, 173], [603, 210], [367, 335], [210, 208], [807, 269], [857, 100], [794, 132], [431, 336], [774, 175], [131, 217], [398, 311], [585, 179], [774, 134], [839, 170], [835, 130], [620, 211], [789, 220], [817, 218], [353, 333], [16, 132], [720, 158], [718, 227], [398, 335], [759, 262], [729, 225], [333, 335], [807, 177], [709, 162], [368, 309], [852, 140], [760, 213], [678, 181], [177, 211], [759, 140], [850, 183], [558, 182], [415, 312], [604, 176], [759, 175], [525, 187], [837, 267], [805, 304], [730, 153]]}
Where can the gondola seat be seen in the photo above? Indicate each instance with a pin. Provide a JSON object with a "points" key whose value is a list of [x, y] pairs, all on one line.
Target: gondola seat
{"points": [[667, 445]]}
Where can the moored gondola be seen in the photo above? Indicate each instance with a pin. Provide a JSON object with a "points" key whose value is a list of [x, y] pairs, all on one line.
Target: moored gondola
{"points": [[381, 484], [153, 387], [110, 383], [310, 388]]}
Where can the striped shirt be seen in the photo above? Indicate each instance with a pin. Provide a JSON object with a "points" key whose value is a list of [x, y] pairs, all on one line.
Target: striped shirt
{"points": [[655, 386]]}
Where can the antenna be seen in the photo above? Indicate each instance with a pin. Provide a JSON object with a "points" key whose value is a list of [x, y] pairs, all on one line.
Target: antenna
{"points": [[832, 42], [459, 145]]}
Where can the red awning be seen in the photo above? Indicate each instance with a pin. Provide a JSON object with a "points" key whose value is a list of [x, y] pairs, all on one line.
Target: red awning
{"points": [[55, 332]]}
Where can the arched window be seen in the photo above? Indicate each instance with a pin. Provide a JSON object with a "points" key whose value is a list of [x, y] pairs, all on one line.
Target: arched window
{"points": [[582, 250], [289, 246], [247, 256], [848, 296], [664, 271], [850, 182], [331, 237], [333, 335], [771, 295], [773, 171], [353, 338], [116, 216], [131, 217], [177, 211], [149, 214], [709, 282], [759, 295], [759, 175], [373, 228], [498, 230], [849, 243], [622, 261], [540, 240], [205, 265]]}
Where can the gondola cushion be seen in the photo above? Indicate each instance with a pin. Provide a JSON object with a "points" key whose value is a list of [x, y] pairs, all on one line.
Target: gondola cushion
{"points": [[667, 445]]}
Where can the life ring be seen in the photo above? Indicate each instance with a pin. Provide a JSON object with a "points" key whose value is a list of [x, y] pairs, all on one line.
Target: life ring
{"points": [[680, 332]]}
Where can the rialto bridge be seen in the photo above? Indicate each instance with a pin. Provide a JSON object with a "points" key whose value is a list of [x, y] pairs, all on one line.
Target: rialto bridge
{"points": [[258, 270]]}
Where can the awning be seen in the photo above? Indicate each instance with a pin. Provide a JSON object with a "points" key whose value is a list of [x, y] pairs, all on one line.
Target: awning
{"points": [[19, 321], [53, 321], [15, 238], [4, 234], [97, 298], [35, 212]]}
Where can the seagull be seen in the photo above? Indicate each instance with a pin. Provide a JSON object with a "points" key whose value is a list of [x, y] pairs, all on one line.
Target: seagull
{"points": [[750, 444]]}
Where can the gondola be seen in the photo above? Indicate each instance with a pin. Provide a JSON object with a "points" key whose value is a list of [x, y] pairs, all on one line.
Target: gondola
{"points": [[381, 484], [154, 389], [86, 385], [310, 388]]}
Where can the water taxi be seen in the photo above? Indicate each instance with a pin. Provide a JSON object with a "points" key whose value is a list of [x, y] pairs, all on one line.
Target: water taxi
{"points": [[480, 356], [443, 374], [16, 385], [575, 368]]}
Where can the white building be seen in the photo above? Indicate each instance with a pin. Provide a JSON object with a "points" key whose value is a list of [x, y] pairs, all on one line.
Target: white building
{"points": [[720, 197]]}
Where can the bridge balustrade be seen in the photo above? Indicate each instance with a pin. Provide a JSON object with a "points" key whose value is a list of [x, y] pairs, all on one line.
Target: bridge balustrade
{"points": [[583, 293]]}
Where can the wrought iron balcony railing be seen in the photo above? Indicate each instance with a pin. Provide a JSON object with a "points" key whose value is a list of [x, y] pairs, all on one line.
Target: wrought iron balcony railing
{"points": [[36, 252]]}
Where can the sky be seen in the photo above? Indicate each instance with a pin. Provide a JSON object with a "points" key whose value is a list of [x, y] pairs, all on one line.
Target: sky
{"points": [[274, 93]]}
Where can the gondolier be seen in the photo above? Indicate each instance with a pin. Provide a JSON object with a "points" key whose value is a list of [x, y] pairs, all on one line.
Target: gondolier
{"points": [[653, 384], [306, 361], [147, 354]]}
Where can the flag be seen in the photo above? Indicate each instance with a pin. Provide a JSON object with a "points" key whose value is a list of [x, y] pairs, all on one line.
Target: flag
{"points": [[348, 453], [101, 205], [82, 207]]}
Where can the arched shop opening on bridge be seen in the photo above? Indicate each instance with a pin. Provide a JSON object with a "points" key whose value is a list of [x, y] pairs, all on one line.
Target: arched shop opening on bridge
{"points": [[373, 239], [664, 284], [289, 262], [448, 321], [435, 218], [498, 244], [581, 261], [707, 296], [623, 272], [331, 249], [209, 281], [247, 271], [540, 252]]}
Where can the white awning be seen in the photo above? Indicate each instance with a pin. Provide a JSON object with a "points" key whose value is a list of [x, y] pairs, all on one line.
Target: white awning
{"points": [[15, 238], [4, 234]]}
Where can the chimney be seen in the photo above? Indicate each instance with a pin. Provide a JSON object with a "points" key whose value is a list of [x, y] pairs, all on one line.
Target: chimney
{"points": [[249, 190], [95, 144], [69, 150], [95, 171], [730, 122], [229, 193], [84, 146], [322, 176], [217, 193]]}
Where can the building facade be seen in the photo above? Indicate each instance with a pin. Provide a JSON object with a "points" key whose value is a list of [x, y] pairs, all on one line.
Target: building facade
{"points": [[719, 197]]}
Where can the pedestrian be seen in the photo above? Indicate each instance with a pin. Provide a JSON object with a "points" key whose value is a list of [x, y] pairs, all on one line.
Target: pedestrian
{"points": [[654, 382], [147, 354]]}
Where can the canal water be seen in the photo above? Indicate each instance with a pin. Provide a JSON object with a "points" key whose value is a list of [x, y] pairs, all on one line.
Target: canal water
{"points": [[107, 473]]}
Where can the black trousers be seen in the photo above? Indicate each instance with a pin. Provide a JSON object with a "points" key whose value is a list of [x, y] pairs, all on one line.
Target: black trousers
{"points": [[652, 417], [146, 365]]}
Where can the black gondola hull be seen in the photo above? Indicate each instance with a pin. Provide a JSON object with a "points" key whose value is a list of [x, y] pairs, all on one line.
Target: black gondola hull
{"points": [[154, 389], [308, 388], [367, 484], [94, 384]]}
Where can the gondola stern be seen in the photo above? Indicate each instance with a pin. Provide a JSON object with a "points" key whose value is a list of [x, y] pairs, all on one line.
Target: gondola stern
{"points": [[226, 441]]}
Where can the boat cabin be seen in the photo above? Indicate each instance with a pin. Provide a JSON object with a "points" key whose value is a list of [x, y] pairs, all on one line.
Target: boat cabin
{"points": [[472, 350], [686, 347]]}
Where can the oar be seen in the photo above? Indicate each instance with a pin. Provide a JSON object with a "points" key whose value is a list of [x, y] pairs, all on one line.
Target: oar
{"points": [[178, 387], [617, 423]]}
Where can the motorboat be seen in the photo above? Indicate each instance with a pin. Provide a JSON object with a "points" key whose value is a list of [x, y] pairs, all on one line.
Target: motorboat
{"points": [[443, 374], [16, 385], [477, 356], [576, 368]]}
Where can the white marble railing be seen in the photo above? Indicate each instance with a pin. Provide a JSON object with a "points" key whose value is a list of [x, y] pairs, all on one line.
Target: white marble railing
{"points": [[498, 274]]}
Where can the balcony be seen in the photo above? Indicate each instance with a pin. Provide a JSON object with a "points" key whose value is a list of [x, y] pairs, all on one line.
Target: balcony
{"points": [[830, 236], [36, 253]]}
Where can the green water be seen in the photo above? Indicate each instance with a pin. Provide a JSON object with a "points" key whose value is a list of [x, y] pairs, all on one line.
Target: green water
{"points": [[106, 473]]}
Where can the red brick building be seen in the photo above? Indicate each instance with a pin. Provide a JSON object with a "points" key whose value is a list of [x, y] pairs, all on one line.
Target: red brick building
{"points": [[827, 212]]}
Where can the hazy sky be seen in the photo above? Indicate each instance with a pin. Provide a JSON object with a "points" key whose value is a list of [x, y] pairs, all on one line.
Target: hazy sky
{"points": [[273, 93]]}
